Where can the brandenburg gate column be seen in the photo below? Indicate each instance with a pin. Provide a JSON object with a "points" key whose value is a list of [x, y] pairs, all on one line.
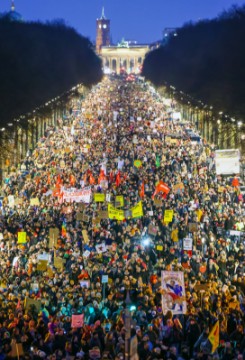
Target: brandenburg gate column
{"points": [[118, 65], [110, 63]]}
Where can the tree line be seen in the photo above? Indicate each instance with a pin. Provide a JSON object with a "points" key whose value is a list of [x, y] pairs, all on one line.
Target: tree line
{"points": [[206, 60], [39, 62]]}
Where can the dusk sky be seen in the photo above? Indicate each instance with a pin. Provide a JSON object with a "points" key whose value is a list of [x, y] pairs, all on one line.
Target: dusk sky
{"points": [[141, 20]]}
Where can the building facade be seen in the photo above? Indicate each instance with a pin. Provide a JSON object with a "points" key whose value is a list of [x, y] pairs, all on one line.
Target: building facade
{"points": [[125, 56], [102, 32]]}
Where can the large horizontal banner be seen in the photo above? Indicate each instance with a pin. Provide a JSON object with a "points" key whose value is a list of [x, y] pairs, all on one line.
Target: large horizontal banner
{"points": [[173, 292], [77, 195]]}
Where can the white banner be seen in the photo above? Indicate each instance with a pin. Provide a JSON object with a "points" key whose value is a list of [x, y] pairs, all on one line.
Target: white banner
{"points": [[77, 195], [227, 162], [173, 292]]}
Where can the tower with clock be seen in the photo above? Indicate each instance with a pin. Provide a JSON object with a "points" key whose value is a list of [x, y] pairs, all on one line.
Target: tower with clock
{"points": [[102, 32]]}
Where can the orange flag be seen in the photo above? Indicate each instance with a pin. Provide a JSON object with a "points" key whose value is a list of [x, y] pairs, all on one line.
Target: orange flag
{"points": [[118, 179], [72, 180], [91, 179], [142, 190]]}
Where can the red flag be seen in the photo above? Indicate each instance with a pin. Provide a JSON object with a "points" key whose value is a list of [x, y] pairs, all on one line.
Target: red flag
{"points": [[91, 179], [101, 176], [161, 187], [118, 179], [72, 180], [111, 176], [58, 180], [48, 180], [142, 190]]}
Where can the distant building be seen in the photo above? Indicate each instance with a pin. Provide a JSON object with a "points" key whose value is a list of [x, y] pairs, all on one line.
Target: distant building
{"points": [[169, 33], [12, 15], [126, 56], [102, 32]]}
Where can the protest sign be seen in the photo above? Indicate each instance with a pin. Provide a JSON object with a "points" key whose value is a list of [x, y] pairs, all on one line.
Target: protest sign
{"points": [[187, 244], [104, 279], [77, 195], [178, 187], [103, 214], [34, 202], [168, 216], [173, 292], [158, 202], [53, 237], [85, 218], [137, 210], [98, 197], [58, 262], [114, 213], [152, 230], [85, 283], [21, 237], [119, 201], [29, 303], [79, 216], [77, 321], [193, 227], [42, 265]]}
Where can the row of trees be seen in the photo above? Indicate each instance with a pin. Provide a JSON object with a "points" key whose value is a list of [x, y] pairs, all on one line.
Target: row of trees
{"points": [[205, 60], [39, 62]]}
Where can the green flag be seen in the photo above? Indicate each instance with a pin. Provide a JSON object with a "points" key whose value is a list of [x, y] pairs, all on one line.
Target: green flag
{"points": [[158, 161]]}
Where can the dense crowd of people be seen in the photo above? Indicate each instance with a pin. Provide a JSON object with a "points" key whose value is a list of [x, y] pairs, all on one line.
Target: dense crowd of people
{"points": [[64, 260]]}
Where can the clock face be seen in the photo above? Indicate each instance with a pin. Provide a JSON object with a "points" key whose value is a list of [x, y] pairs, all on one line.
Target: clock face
{"points": [[100, 26], [104, 26]]}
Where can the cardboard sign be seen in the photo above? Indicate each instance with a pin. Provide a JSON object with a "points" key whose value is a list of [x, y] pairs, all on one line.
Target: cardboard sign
{"points": [[16, 349], [34, 202], [193, 227], [168, 216], [178, 187], [103, 214], [53, 237], [85, 218], [42, 265], [58, 262], [31, 302], [79, 216], [158, 202], [21, 237], [201, 287], [98, 197], [152, 230]]}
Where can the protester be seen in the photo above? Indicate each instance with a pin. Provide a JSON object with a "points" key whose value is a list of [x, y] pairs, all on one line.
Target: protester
{"points": [[94, 214]]}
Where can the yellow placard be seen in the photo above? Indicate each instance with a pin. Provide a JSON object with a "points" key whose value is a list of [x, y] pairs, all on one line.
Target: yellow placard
{"points": [[114, 213], [34, 201], [21, 237], [159, 247], [98, 197], [168, 216], [137, 210], [120, 200]]}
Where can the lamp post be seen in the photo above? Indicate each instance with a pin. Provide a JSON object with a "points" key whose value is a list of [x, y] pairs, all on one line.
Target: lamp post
{"points": [[127, 327]]}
